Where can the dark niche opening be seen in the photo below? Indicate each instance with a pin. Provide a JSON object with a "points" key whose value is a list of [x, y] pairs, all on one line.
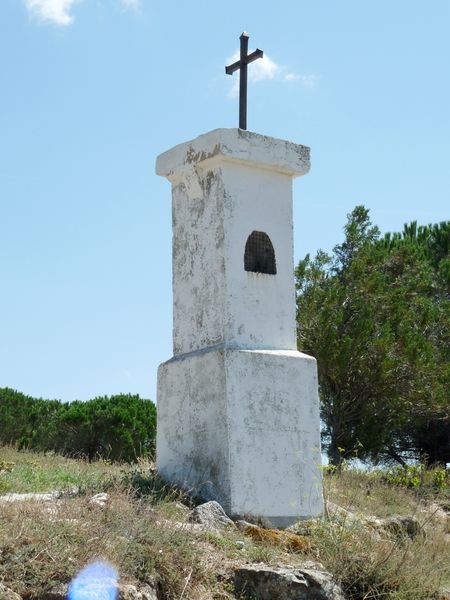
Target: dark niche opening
{"points": [[259, 254]]}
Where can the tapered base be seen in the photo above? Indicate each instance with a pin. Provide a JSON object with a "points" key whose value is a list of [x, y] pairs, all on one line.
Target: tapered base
{"points": [[242, 427]]}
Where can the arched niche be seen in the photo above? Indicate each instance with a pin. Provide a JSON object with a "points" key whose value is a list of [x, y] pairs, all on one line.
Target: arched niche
{"points": [[259, 255]]}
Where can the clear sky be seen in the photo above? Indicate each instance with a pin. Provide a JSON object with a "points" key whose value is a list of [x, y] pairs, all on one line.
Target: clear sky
{"points": [[91, 91]]}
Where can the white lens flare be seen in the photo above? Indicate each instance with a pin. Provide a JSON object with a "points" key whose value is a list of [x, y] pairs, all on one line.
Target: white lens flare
{"points": [[97, 581]]}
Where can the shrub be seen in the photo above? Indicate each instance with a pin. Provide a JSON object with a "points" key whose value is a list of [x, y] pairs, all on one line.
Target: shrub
{"points": [[119, 428], [419, 476]]}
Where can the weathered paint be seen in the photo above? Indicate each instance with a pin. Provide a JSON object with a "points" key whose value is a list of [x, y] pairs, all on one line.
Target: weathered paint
{"points": [[238, 414], [235, 145]]}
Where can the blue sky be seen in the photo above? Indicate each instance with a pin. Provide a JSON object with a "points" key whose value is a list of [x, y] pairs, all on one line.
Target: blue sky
{"points": [[91, 91]]}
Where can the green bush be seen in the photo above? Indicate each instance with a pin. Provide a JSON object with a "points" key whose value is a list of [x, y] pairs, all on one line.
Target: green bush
{"points": [[418, 476], [118, 428]]}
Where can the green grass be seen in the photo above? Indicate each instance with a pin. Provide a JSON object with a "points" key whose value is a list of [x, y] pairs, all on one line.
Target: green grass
{"points": [[23, 472]]}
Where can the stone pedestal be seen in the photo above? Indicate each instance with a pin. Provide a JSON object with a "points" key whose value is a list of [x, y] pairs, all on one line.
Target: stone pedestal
{"points": [[238, 412]]}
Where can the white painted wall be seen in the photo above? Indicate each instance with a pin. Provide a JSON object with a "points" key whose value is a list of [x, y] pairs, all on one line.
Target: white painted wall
{"points": [[274, 437], [260, 308], [227, 184], [198, 262], [192, 434]]}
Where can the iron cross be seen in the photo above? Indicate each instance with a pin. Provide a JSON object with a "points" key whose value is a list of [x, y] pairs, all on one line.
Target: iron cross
{"points": [[241, 64]]}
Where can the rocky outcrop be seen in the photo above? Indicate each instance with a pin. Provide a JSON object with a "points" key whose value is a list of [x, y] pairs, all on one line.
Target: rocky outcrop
{"points": [[310, 582], [211, 516]]}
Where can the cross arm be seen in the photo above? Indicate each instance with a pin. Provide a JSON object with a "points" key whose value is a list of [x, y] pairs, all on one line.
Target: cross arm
{"points": [[254, 55], [232, 68], [248, 59]]}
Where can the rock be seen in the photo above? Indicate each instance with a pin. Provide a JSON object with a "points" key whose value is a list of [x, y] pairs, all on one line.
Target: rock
{"points": [[287, 539], [130, 592], [303, 527], [211, 515], [39, 497], [7, 594], [342, 515], [444, 594], [57, 592], [374, 522], [399, 526], [313, 565], [266, 583], [99, 499], [190, 527], [47, 497], [124, 592], [435, 513], [242, 525]]}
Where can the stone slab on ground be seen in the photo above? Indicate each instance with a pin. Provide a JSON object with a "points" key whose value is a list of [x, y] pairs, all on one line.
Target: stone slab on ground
{"points": [[39, 496], [262, 582]]}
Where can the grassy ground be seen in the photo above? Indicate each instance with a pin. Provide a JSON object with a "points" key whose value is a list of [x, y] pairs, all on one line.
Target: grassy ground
{"points": [[368, 493], [143, 531], [29, 472]]}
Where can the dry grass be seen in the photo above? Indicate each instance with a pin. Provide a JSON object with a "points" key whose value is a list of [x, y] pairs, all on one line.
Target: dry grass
{"points": [[371, 565], [366, 493], [143, 531], [42, 545]]}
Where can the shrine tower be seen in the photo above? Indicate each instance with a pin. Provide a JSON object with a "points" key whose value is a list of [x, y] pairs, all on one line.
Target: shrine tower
{"points": [[238, 408]]}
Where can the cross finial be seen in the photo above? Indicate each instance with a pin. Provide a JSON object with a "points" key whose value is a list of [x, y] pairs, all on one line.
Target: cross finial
{"points": [[241, 64]]}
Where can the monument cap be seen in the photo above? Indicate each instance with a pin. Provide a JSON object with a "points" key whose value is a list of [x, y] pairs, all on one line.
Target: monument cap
{"points": [[236, 145]]}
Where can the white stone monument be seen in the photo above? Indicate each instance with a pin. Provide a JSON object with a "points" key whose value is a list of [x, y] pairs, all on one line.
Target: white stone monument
{"points": [[238, 408]]}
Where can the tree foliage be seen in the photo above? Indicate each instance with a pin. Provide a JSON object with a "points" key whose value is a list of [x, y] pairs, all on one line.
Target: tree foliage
{"points": [[376, 315], [120, 428]]}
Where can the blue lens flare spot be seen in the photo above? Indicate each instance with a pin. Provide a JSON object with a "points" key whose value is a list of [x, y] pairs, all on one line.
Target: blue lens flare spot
{"points": [[97, 581]]}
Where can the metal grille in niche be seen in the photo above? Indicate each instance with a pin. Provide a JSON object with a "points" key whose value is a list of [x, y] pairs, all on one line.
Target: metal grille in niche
{"points": [[259, 254]]}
